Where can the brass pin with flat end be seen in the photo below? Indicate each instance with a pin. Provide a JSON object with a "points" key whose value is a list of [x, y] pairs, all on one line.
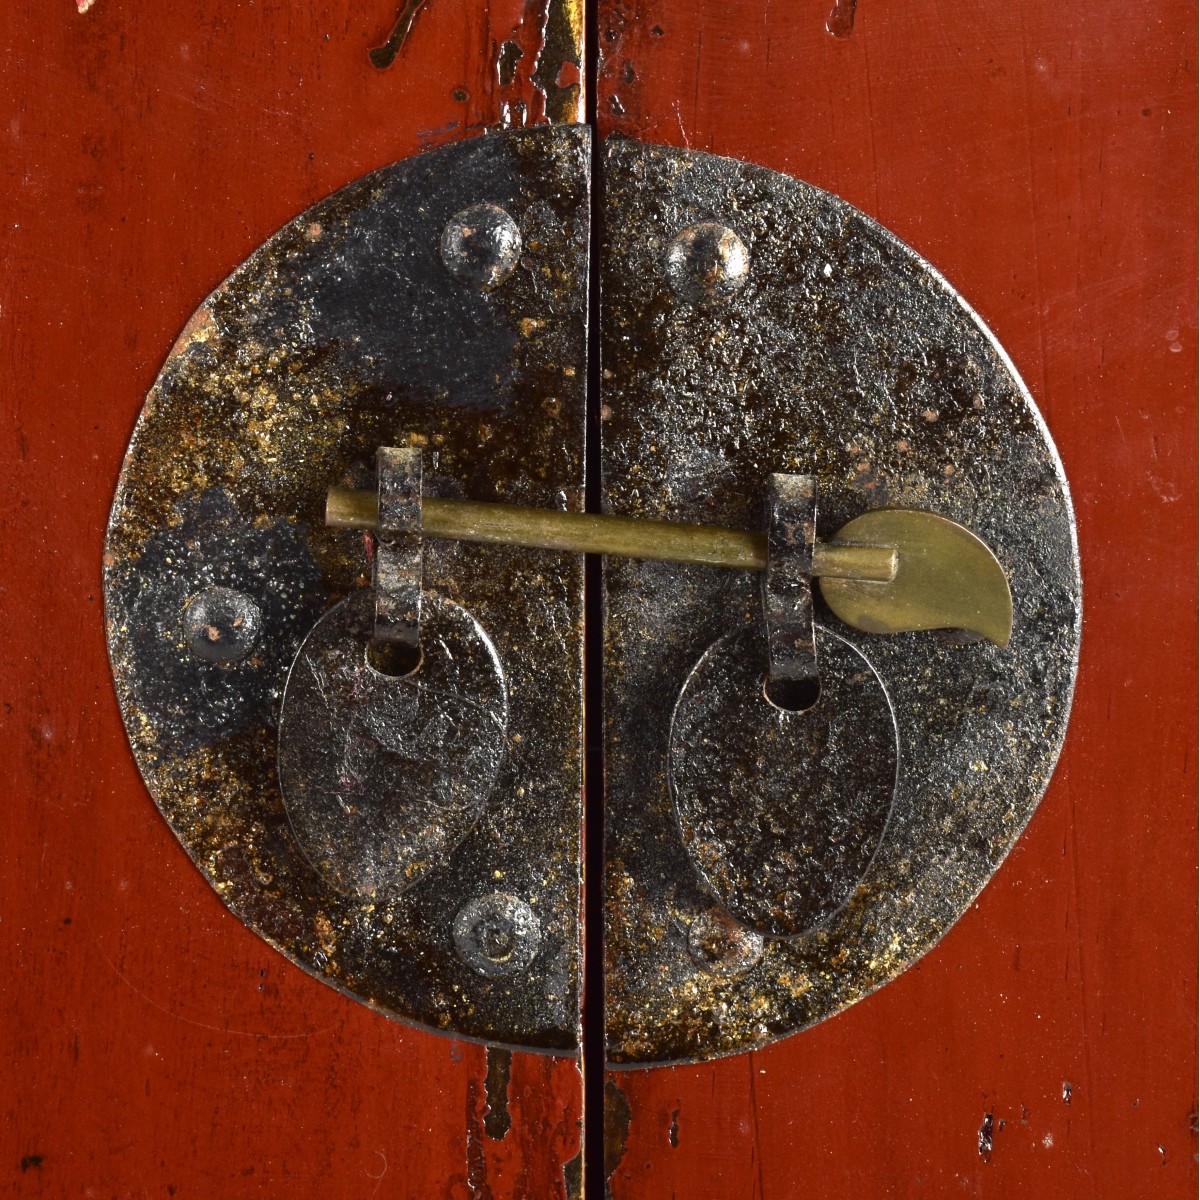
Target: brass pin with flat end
{"points": [[592, 533], [888, 571]]}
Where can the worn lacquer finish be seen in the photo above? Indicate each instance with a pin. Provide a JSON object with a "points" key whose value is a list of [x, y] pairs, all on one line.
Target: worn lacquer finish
{"points": [[1042, 159], [1037, 154], [152, 1045]]}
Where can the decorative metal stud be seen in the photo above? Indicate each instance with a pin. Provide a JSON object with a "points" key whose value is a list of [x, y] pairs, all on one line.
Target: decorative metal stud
{"points": [[481, 246], [707, 261], [497, 934], [221, 625]]}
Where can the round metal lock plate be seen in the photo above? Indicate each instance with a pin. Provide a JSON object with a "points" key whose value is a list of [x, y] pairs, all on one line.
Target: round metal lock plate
{"points": [[441, 304], [750, 325], [824, 347]]}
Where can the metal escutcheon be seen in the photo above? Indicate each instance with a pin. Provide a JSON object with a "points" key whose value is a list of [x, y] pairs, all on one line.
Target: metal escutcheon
{"points": [[383, 775], [348, 817], [415, 840], [782, 811], [839, 355]]}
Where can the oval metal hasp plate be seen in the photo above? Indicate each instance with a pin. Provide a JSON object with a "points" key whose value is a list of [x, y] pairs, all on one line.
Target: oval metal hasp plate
{"points": [[753, 324], [383, 313]]}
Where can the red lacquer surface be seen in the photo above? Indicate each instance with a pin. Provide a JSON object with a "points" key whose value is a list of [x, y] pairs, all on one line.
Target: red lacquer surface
{"points": [[1042, 156], [151, 1045]]}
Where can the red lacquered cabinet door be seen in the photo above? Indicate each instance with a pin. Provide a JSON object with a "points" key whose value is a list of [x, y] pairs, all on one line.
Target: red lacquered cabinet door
{"points": [[1043, 159], [153, 1046]]}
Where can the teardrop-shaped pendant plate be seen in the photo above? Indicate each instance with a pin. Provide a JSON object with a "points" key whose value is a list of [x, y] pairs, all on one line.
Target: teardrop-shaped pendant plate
{"points": [[782, 811], [383, 775]]}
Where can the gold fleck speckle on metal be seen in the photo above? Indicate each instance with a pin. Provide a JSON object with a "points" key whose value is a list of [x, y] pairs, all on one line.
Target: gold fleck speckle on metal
{"points": [[344, 591], [848, 848], [441, 300]]}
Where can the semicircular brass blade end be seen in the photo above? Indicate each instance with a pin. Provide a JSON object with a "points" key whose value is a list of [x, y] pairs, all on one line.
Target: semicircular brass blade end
{"points": [[946, 578]]}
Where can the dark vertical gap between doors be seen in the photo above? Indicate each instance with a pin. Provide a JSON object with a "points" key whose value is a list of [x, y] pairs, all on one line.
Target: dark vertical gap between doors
{"points": [[594, 1056]]}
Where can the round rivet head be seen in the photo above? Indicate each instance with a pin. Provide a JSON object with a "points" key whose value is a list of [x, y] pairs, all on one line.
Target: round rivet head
{"points": [[497, 934], [721, 946], [707, 261], [481, 246], [221, 625]]}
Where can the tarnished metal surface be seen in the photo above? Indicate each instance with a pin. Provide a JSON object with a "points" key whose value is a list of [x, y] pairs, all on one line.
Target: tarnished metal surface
{"points": [[399, 550], [481, 246], [843, 355], [221, 625], [723, 946], [497, 934], [787, 585], [344, 333], [770, 859], [707, 263], [383, 776], [781, 812]]}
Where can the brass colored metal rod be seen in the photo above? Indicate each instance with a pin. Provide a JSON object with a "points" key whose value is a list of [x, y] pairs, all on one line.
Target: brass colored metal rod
{"points": [[625, 537]]}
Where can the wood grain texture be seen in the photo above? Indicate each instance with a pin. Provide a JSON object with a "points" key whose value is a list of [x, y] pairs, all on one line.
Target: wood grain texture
{"points": [[150, 1045], [1043, 158]]}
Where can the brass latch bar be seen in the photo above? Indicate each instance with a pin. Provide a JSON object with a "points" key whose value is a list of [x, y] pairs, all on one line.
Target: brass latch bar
{"points": [[888, 571]]}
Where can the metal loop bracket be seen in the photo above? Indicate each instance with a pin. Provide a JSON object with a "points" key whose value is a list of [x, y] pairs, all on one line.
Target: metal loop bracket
{"points": [[399, 556], [787, 580]]}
